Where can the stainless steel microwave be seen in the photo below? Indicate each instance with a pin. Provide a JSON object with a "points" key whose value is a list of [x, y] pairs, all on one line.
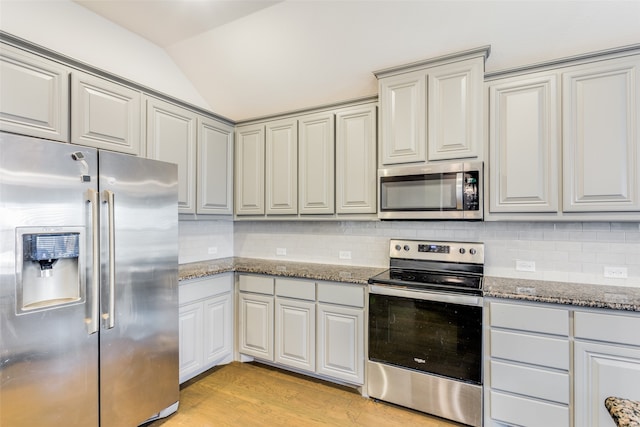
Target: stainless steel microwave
{"points": [[442, 191]]}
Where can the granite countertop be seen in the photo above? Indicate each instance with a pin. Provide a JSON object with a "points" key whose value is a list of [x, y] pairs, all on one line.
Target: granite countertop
{"points": [[329, 272], [576, 294], [625, 412]]}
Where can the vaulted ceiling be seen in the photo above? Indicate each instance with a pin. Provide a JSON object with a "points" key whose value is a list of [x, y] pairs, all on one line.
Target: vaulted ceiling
{"points": [[255, 58]]}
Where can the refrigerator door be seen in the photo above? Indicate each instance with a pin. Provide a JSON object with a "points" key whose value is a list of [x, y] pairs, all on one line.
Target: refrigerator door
{"points": [[139, 288], [48, 325]]}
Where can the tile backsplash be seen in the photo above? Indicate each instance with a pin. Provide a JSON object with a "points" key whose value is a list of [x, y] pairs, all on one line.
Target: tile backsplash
{"points": [[569, 252]]}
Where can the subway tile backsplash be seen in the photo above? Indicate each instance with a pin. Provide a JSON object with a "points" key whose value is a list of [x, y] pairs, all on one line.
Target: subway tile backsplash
{"points": [[573, 252]]}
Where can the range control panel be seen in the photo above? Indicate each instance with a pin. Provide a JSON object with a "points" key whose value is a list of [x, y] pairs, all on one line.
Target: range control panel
{"points": [[463, 252]]}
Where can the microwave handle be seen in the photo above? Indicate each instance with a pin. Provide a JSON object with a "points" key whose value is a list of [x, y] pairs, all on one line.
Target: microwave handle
{"points": [[459, 189]]}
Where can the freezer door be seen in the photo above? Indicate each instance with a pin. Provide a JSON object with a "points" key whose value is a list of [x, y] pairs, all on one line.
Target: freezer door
{"points": [[48, 353], [139, 288]]}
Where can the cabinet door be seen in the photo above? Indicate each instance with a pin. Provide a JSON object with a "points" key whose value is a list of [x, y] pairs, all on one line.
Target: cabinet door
{"points": [[190, 332], [403, 118], [249, 170], [601, 112], [34, 94], [523, 144], [215, 168], [256, 326], [218, 327], [455, 109], [356, 179], [171, 137], [105, 115], [281, 160], [341, 343], [295, 338], [316, 164], [601, 371]]}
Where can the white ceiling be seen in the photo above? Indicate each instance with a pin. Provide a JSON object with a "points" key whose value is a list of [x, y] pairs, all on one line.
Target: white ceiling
{"points": [[254, 58]]}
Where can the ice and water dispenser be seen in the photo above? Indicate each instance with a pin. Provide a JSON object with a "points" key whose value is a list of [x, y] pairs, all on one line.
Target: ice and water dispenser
{"points": [[49, 267]]}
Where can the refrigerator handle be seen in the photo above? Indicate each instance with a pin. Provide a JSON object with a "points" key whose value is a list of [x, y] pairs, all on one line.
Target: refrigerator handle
{"points": [[93, 198], [110, 315]]}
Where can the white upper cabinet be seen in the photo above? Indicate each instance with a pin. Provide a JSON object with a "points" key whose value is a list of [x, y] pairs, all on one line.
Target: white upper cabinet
{"points": [[524, 144], [402, 118], [454, 113], [432, 110], [35, 95], [281, 167], [249, 170], [316, 176], [356, 181], [171, 137], [215, 167], [105, 115], [601, 112]]}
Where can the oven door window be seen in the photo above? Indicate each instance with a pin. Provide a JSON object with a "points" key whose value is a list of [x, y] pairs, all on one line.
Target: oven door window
{"points": [[435, 337], [435, 192]]}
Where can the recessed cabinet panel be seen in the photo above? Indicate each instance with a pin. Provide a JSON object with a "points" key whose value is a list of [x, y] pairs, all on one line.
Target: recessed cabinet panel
{"points": [[281, 167], [249, 170], [215, 168], [356, 160], [455, 109], [34, 94], [296, 333], [402, 124], [190, 332], [105, 115], [601, 371], [256, 326], [524, 144], [601, 136], [218, 317], [171, 137], [316, 164]]}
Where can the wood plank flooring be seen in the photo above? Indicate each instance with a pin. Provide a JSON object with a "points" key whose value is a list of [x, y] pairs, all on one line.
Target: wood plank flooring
{"points": [[251, 394]]}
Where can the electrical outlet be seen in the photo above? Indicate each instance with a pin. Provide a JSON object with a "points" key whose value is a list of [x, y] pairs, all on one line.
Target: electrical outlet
{"points": [[615, 272], [281, 251], [212, 250], [345, 254], [522, 265]]}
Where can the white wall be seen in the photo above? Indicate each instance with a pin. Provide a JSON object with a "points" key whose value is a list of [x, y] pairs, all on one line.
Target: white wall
{"points": [[74, 31], [570, 252], [205, 239]]}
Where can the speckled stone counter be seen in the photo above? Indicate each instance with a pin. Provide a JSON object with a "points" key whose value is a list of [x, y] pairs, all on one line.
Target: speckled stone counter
{"points": [[582, 295], [328, 272], [625, 412]]}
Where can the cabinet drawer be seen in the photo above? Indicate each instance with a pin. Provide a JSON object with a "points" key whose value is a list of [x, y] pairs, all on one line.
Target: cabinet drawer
{"points": [[527, 412], [256, 284], [530, 381], [607, 327], [197, 289], [529, 318], [335, 293], [300, 289], [543, 351]]}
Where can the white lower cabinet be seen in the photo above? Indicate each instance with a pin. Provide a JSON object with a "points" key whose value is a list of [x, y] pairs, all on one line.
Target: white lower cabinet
{"points": [[607, 363], [295, 323], [341, 332], [527, 380], [312, 327], [255, 311], [205, 324]]}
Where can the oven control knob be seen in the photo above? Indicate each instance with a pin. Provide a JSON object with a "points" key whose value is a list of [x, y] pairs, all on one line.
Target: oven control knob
{"points": [[406, 248], [398, 247], [472, 251], [462, 251]]}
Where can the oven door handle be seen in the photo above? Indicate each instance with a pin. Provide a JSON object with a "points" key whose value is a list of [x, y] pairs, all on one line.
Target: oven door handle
{"points": [[471, 300]]}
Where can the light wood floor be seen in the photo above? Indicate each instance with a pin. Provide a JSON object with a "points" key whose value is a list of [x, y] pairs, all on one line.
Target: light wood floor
{"points": [[250, 394]]}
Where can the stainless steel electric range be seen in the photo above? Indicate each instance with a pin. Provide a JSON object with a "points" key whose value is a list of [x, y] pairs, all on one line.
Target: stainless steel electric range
{"points": [[425, 329]]}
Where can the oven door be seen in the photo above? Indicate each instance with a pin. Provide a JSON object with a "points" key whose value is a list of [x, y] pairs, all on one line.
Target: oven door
{"points": [[432, 332]]}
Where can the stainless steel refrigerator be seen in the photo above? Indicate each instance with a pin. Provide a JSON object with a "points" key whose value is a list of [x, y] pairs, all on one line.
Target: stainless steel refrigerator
{"points": [[88, 286]]}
